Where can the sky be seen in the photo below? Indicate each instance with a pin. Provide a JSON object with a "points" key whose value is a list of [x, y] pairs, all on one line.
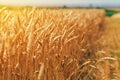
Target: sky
{"points": [[112, 3]]}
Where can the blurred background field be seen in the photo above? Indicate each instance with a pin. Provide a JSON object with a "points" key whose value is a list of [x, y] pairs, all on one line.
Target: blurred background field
{"points": [[112, 38]]}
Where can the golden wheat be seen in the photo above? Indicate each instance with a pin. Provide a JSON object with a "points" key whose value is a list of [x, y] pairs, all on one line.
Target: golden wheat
{"points": [[44, 44]]}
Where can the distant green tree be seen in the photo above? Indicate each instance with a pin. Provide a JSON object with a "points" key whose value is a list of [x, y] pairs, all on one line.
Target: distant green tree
{"points": [[64, 6]]}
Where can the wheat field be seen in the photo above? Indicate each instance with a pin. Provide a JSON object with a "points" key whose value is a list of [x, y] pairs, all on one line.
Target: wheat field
{"points": [[57, 44]]}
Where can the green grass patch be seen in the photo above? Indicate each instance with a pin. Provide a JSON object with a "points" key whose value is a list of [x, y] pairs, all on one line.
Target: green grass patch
{"points": [[110, 12]]}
